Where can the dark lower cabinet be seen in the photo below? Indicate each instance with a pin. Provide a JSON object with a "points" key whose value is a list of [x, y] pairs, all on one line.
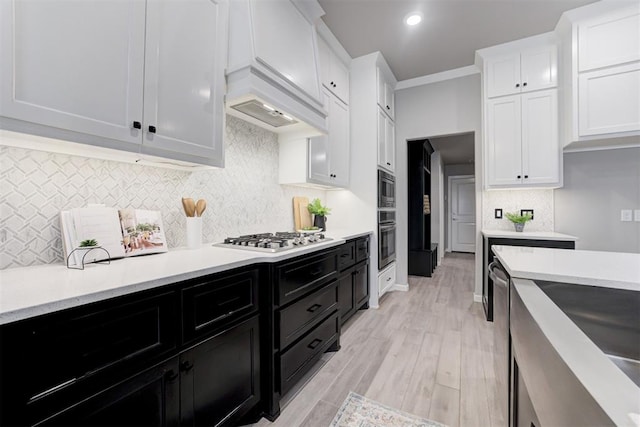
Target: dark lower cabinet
{"points": [[353, 282], [361, 285], [150, 398], [220, 377], [346, 299]]}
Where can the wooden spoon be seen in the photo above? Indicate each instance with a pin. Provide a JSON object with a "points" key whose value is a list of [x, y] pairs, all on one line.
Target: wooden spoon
{"points": [[201, 205], [189, 206]]}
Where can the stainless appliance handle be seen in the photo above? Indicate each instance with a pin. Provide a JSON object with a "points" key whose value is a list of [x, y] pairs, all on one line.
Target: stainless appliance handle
{"points": [[497, 280], [387, 227]]}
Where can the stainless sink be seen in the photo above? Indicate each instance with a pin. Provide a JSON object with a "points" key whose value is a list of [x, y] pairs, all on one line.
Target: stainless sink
{"points": [[609, 317]]}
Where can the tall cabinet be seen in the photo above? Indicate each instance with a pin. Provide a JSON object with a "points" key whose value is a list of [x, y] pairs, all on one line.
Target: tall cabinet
{"points": [[521, 135], [122, 75]]}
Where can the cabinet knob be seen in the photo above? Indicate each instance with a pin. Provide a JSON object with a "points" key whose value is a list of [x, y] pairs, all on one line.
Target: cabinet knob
{"points": [[388, 108], [526, 176], [388, 164], [517, 84], [331, 83], [137, 125], [519, 176], [152, 129], [170, 375], [524, 84], [186, 366], [335, 85]]}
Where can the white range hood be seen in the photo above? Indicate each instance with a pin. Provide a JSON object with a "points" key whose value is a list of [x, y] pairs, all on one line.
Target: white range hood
{"points": [[272, 75]]}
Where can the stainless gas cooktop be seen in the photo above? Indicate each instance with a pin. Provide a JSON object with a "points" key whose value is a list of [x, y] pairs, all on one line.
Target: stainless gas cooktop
{"points": [[273, 242]]}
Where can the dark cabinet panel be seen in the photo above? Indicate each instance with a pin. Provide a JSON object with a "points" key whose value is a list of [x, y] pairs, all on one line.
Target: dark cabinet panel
{"points": [[346, 255], [220, 378], [346, 302], [296, 278], [362, 249], [361, 285], [147, 399], [212, 303], [296, 361], [298, 318]]}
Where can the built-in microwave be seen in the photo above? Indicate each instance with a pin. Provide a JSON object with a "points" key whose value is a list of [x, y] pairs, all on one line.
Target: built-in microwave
{"points": [[386, 190]]}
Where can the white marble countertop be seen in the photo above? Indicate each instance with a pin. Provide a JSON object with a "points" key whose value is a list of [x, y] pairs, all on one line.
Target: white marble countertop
{"points": [[612, 390], [31, 291], [610, 269], [535, 235]]}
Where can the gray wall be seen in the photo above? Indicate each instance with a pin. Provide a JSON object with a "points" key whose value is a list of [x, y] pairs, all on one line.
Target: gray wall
{"points": [[452, 170], [597, 185], [436, 109]]}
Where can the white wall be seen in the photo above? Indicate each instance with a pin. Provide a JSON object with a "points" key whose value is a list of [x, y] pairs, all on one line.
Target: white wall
{"points": [[435, 109], [597, 185], [452, 170]]}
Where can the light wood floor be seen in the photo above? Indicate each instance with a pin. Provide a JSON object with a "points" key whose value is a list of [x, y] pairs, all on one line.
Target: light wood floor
{"points": [[428, 351]]}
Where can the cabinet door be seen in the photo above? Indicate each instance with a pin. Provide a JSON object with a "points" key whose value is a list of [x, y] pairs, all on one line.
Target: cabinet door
{"points": [[390, 145], [539, 68], [184, 79], [339, 141], [150, 398], [346, 301], [609, 100], [324, 57], [504, 147], [389, 100], [220, 378], [382, 136], [361, 285], [611, 39], [340, 78], [381, 89], [74, 65], [540, 146], [319, 151], [503, 75]]}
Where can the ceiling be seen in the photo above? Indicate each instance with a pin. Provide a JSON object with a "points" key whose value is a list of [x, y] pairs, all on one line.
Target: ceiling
{"points": [[454, 149], [452, 30]]}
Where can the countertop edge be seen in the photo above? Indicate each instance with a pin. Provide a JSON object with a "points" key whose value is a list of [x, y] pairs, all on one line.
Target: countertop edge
{"points": [[533, 235], [23, 313], [615, 395]]}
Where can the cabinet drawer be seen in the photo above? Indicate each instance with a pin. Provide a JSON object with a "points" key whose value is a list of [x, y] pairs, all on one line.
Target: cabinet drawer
{"points": [[296, 278], [64, 349], [362, 249], [210, 304], [298, 359], [346, 255], [297, 318]]}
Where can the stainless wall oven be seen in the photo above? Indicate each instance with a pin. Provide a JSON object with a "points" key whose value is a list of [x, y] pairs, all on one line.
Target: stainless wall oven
{"points": [[386, 190], [386, 238]]}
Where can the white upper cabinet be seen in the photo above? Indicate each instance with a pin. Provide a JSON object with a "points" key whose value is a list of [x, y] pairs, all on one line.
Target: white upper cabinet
{"points": [[611, 39], [522, 140], [385, 93], [334, 74], [386, 142], [525, 71], [118, 74], [74, 65], [184, 78]]}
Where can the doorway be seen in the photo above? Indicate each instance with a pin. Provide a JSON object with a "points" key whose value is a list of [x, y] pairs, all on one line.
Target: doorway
{"points": [[462, 218]]}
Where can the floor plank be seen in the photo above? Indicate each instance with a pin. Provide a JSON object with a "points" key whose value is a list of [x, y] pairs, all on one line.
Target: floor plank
{"points": [[427, 351]]}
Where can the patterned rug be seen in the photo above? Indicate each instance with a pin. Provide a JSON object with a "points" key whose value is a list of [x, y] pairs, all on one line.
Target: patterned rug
{"points": [[358, 411]]}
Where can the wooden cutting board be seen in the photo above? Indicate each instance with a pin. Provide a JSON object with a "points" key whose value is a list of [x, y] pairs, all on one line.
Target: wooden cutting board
{"points": [[301, 215]]}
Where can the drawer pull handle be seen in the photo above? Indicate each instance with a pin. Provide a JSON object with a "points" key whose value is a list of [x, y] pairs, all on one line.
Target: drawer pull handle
{"points": [[388, 279], [229, 301], [314, 307], [186, 366], [170, 375], [316, 271], [345, 255], [315, 343]]}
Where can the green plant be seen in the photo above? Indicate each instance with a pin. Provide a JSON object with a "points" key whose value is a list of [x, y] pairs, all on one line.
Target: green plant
{"points": [[316, 208], [144, 227], [88, 242], [516, 218]]}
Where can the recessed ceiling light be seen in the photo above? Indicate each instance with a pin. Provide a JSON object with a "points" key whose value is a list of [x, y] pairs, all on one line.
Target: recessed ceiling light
{"points": [[414, 18]]}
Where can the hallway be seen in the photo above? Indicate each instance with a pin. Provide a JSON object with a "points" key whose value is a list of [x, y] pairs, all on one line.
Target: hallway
{"points": [[427, 352]]}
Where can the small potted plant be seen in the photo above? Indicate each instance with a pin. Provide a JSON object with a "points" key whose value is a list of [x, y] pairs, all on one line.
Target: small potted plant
{"points": [[319, 213], [88, 243], [519, 220]]}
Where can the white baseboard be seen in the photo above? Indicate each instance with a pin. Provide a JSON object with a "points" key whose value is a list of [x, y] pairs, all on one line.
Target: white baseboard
{"points": [[477, 298], [399, 287]]}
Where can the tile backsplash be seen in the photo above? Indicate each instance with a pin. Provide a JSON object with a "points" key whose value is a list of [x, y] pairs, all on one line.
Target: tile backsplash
{"points": [[541, 201], [243, 197]]}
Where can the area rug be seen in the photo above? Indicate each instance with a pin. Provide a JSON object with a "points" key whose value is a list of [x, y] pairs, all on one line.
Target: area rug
{"points": [[358, 411]]}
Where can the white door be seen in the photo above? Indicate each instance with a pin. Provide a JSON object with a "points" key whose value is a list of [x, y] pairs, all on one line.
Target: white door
{"points": [[539, 68], [503, 75], [184, 78], [463, 214], [339, 141], [390, 145], [382, 138], [75, 65], [540, 146]]}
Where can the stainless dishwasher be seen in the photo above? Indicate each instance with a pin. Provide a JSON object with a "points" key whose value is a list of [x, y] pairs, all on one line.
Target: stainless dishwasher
{"points": [[502, 342]]}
